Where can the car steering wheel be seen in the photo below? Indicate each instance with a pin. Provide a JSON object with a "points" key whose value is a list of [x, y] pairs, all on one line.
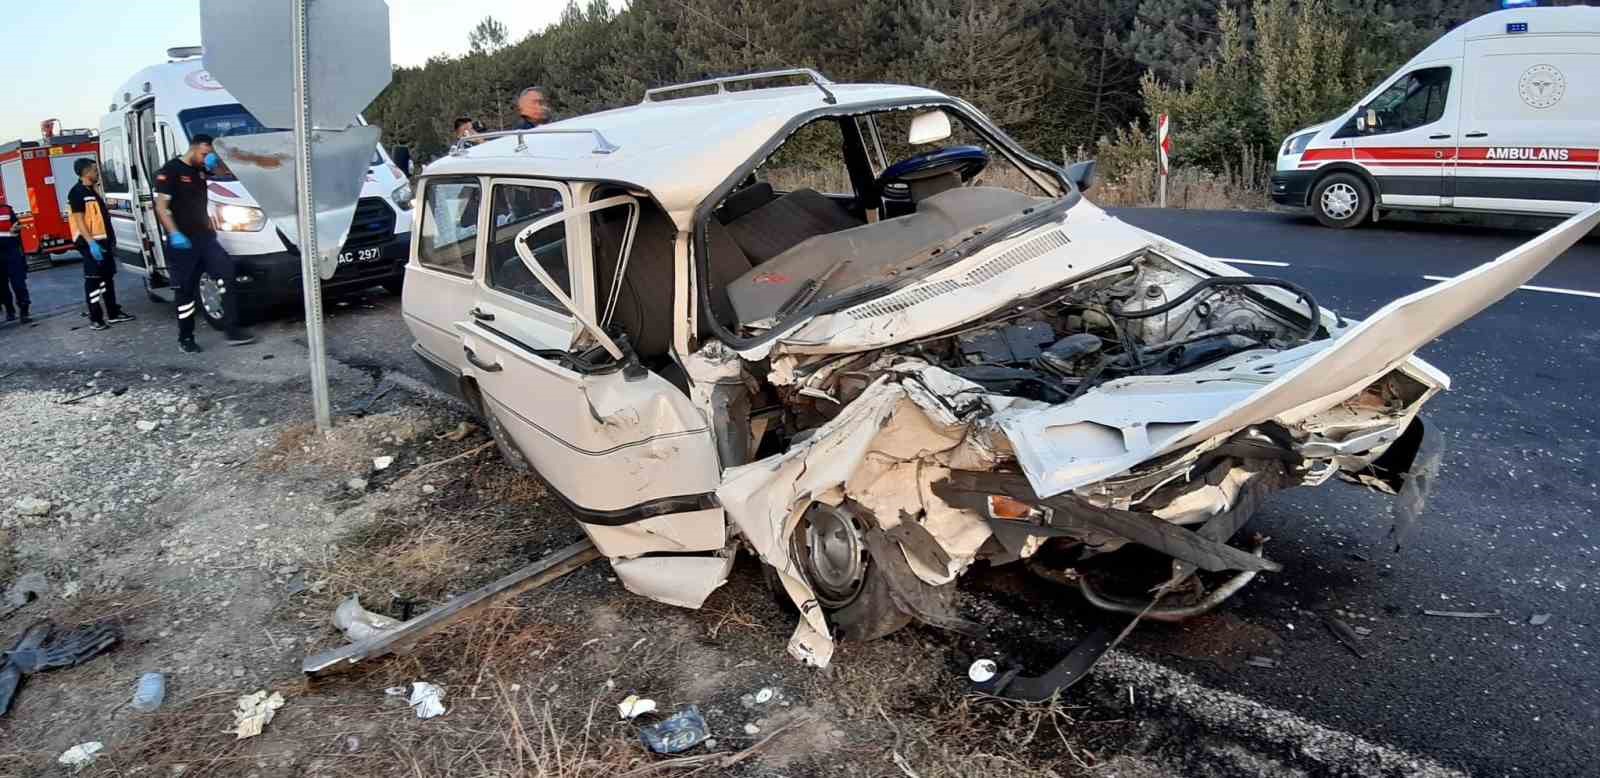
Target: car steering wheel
{"points": [[968, 161]]}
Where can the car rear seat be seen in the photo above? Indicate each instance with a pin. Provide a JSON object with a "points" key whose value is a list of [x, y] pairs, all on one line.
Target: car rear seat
{"points": [[780, 224]]}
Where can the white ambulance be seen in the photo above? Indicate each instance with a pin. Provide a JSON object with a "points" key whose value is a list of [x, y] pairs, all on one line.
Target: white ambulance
{"points": [[1500, 115], [151, 120]]}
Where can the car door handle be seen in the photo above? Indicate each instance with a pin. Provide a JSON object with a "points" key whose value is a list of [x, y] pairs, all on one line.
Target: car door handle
{"points": [[1477, 134], [487, 367], [482, 315], [1439, 136]]}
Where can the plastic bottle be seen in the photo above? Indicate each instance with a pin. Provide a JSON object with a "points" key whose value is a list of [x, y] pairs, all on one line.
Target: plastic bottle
{"points": [[152, 690]]}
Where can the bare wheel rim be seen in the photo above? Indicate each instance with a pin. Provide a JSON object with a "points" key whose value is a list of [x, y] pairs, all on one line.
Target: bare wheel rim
{"points": [[1340, 200], [210, 296], [836, 555]]}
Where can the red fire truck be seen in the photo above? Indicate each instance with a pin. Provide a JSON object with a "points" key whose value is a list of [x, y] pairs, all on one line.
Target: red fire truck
{"points": [[35, 176]]}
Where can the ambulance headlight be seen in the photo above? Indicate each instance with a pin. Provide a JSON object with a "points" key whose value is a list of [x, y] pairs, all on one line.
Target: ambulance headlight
{"points": [[237, 218], [1298, 143], [402, 197]]}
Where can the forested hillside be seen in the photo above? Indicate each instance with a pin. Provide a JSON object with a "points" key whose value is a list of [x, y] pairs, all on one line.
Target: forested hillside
{"points": [[1070, 78]]}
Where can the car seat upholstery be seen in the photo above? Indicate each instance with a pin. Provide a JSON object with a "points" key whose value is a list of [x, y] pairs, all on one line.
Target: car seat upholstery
{"points": [[644, 305], [778, 225]]}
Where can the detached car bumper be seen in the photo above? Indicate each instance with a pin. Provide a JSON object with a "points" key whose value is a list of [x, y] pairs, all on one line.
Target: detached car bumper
{"points": [[1290, 187], [268, 279]]}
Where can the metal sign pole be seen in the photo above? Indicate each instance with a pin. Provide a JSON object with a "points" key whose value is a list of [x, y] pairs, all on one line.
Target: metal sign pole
{"points": [[309, 272]]}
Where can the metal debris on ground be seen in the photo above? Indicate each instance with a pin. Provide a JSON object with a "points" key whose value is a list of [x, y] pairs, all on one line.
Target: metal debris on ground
{"points": [[634, 706], [1345, 635], [1463, 614], [1539, 619], [677, 733], [115, 392], [254, 712], [358, 623], [982, 670], [81, 755], [1261, 661]]}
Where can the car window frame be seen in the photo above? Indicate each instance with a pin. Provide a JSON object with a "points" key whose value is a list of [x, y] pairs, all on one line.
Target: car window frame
{"points": [[558, 315], [1349, 129], [423, 219]]}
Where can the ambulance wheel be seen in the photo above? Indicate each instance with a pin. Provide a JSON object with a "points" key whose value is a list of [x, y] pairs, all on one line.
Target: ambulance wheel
{"points": [[1341, 200], [210, 307]]}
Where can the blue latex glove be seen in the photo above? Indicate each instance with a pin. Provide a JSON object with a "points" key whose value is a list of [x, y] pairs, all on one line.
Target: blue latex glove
{"points": [[211, 161], [95, 251], [180, 241]]}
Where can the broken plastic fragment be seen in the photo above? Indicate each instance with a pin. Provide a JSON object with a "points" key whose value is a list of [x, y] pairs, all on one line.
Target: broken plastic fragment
{"points": [[763, 696], [426, 699], [358, 623], [982, 670], [254, 712], [382, 463], [634, 706], [81, 755], [678, 733], [1539, 619]]}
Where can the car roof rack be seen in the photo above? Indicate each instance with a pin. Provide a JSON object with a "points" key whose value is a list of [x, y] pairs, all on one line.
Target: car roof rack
{"points": [[817, 80], [601, 144]]}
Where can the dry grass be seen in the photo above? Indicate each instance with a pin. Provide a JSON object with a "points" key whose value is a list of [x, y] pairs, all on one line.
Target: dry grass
{"points": [[1187, 187]]}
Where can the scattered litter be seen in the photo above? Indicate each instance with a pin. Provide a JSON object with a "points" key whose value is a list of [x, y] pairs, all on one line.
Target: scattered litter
{"points": [[982, 670], [146, 425], [1463, 614], [428, 489], [382, 463], [32, 506], [81, 755], [634, 706], [764, 696], [1261, 661], [358, 623], [678, 733], [356, 484], [751, 729], [1539, 619], [426, 699], [254, 712], [152, 690], [460, 433], [1362, 631], [1345, 635]]}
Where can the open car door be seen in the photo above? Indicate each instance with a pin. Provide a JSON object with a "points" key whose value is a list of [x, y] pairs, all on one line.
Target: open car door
{"points": [[627, 449]]}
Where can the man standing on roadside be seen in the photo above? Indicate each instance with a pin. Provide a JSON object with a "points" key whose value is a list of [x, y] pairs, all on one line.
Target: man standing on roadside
{"points": [[533, 107], [13, 267], [86, 212], [182, 206]]}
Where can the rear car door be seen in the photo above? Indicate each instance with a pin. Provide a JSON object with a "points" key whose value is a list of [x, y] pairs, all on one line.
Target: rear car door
{"points": [[1411, 147], [439, 289], [620, 444], [1530, 125]]}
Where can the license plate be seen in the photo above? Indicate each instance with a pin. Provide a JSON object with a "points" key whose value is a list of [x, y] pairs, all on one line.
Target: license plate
{"points": [[360, 255]]}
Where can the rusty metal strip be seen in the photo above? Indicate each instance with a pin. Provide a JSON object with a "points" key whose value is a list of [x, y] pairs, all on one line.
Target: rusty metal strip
{"points": [[400, 638]]}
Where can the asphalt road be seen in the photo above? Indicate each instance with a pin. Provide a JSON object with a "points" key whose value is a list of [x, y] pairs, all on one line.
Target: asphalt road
{"points": [[1511, 527]]}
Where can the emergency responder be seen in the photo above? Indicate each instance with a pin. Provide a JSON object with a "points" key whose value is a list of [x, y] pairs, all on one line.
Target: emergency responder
{"points": [[86, 213], [13, 267], [181, 205]]}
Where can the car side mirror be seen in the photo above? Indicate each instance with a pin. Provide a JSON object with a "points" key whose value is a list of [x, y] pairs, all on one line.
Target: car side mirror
{"points": [[1367, 121], [929, 127], [1081, 174]]}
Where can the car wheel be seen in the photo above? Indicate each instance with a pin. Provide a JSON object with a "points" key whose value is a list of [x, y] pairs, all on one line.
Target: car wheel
{"points": [[502, 441], [850, 585], [395, 285], [1341, 200]]}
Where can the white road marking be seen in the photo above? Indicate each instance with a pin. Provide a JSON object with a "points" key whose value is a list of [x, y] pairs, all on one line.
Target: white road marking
{"points": [[1531, 288], [1262, 262]]}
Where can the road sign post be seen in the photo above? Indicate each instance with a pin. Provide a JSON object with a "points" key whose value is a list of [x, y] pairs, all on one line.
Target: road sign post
{"points": [[1163, 149], [339, 62]]}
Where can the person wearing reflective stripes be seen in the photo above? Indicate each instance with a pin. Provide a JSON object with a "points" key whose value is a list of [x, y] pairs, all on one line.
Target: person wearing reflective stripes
{"points": [[86, 214], [192, 247], [13, 267]]}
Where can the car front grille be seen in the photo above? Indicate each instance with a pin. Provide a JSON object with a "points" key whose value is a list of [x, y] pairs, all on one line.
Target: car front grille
{"points": [[373, 224]]}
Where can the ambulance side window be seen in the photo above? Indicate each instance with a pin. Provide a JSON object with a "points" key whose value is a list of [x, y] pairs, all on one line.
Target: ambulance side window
{"points": [[113, 162], [1416, 100]]}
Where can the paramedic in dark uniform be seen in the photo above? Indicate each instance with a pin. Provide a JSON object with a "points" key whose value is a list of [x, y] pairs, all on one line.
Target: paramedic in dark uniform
{"points": [[86, 212], [13, 267], [192, 247]]}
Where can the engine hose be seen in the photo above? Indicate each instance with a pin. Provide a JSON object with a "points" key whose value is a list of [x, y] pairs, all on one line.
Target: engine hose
{"points": [[1207, 283]]}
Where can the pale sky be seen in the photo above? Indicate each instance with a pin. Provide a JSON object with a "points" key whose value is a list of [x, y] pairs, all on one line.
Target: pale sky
{"points": [[63, 59]]}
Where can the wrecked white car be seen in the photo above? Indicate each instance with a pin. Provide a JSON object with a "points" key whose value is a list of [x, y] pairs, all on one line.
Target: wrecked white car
{"points": [[858, 330]]}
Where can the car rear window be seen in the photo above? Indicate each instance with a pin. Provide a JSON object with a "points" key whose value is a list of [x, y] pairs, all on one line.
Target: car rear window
{"points": [[450, 225]]}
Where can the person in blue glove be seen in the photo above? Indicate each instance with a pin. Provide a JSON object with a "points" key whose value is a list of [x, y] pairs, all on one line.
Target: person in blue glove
{"points": [[86, 214], [182, 205]]}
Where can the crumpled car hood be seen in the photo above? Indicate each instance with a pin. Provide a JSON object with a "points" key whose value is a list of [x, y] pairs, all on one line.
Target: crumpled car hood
{"points": [[1125, 422]]}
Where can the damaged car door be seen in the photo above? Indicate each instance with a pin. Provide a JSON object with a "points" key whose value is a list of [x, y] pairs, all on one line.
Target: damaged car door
{"points": [[623, 446]]}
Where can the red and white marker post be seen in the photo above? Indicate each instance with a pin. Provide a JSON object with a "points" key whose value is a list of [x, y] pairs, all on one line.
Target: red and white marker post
{"points": [[1163, 149]]}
